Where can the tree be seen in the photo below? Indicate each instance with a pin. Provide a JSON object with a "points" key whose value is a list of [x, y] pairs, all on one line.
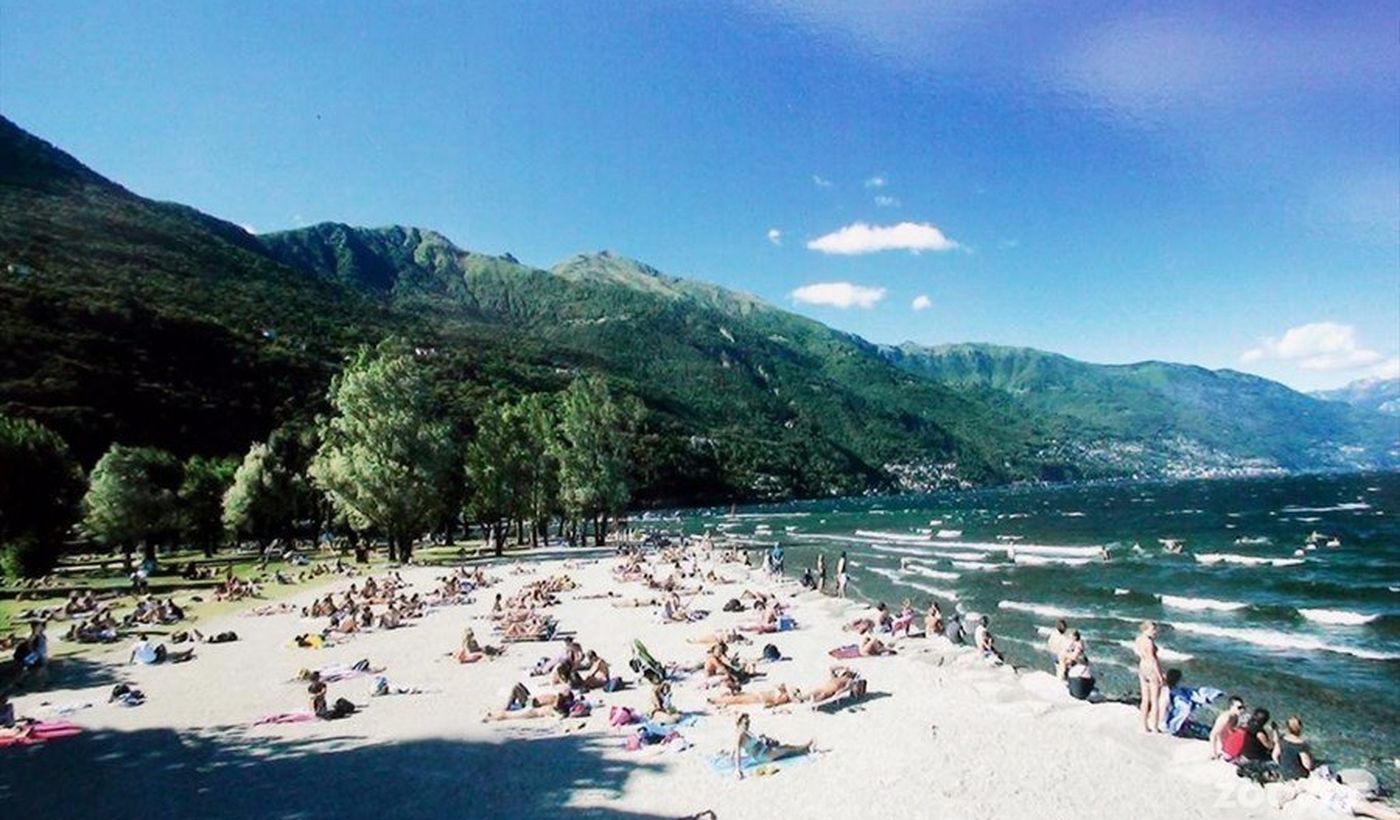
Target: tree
{"points": [[497, 470], [131, 498], [386, 450], [542, 468], [260, 503], [201, 498], [593, 447], [40, 486]]}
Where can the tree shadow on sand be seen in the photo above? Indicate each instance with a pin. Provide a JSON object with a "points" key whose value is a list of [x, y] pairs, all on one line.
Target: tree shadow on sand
{"points": [[64, 672], [234, 773]]}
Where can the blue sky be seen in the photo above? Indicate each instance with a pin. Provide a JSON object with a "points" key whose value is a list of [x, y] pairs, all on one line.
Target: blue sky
{"points": [[1215, 184]]}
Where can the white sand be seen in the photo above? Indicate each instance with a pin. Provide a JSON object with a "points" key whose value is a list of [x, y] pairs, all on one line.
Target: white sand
{"points": [[941, 735]]}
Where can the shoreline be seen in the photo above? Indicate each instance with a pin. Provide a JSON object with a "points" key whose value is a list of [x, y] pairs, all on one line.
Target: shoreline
{"points": [[940, 734]]}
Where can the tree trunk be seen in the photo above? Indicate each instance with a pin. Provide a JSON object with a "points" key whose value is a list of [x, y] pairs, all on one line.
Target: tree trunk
{"points": [[148, 551], [126, 558], [393, 551], [405, 548], [498, 538]]}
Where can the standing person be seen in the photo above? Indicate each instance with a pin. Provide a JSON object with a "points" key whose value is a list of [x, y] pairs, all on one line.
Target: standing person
{"points": [[1057, 643], [777, 559], [1150, 676], [841, 576], [33, 652], [1079, 678], [821, 572]]}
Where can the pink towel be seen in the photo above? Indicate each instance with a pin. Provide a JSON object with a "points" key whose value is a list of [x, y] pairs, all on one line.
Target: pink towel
{"points": [[285, 717], [845, 652]]}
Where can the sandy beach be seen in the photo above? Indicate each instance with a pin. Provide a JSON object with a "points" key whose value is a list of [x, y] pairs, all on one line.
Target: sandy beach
{"points": [[941, 733]]}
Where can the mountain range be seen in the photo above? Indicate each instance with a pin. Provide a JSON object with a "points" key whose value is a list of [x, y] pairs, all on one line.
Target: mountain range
{"points": [[1381, 395], [152, 323]]}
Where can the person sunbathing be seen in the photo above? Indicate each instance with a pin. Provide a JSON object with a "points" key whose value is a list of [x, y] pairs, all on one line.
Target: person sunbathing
{"points": [[522, 705], [871, 646], [146, 653], [760, 748], [731, 635], [768, 699], [471, 651], [842, 681]]}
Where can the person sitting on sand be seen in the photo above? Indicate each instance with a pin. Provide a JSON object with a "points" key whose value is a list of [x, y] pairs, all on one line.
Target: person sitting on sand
{"points": [[1295, 765], [598, 673], [11, 726], [842, 681], [984, 641], [871, 646], [933, 619], [662, 711], [1227, 734], [768, 699], [1259, 740], [760, 749], [471, 651], [148, 654]]}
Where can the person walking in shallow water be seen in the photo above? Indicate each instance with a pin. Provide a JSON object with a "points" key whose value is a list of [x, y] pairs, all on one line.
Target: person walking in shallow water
{"points": [[841, 576]]}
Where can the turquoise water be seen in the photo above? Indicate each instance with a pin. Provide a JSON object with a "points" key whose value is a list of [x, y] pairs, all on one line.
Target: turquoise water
{"points": [[1246, 606]]}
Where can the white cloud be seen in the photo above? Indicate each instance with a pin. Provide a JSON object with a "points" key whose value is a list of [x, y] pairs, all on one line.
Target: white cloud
{"points": [[875, 182], [838, 294], [860, 238], [1389, 369], [921, 302], [1316, 346], [775, 236], [821, 181], [247, 228], [884, 201]]}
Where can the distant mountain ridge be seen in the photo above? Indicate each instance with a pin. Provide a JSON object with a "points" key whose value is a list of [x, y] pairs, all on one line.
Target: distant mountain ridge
{"points": [[152, 323], [1381, 395], [1171, 410]]}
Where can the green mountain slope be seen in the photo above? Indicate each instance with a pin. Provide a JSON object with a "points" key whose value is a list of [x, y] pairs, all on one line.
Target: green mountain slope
{"points": [[1165, 416], [150, 322], [784, 404]]}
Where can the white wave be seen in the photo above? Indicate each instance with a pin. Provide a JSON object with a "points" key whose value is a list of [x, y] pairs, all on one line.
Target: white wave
{"points": [[1043, 610], [1163, 653], [1199, 604], [1252, 540], [1307, 519], [936, 575], [1073, 514], [892, 536], [1245, 560], [898, 550], [949, 534], [1337, 617], [1043, 561], [891, 575], [1121, 591], [1344, 507], [976, 565], [1269, 639], [769, 515], [934, 591]]}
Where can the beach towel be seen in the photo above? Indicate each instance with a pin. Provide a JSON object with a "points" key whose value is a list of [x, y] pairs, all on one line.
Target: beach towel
{"points": [[285, 717], [41, 732], [846, 652], [1180, 703], [723, 764]]}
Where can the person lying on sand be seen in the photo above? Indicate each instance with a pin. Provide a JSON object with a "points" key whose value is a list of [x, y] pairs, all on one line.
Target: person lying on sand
{"points": [[144, 652], [760, 748], [522, 705], [768, 699], [843, 681], [723, 636]]}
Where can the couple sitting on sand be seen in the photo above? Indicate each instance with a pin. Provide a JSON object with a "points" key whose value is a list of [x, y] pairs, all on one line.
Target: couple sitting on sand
{"points": [[149, 654]]}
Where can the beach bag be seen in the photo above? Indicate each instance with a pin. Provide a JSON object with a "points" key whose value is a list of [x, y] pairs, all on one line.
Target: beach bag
{"points": [[620, 716], [771, 653], [733, 605], [342, 708]]}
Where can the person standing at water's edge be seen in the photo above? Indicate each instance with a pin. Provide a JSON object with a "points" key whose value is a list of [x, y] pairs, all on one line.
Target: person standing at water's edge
{"points": [[1150, 676], [1057, 643], [821, 572], [841, 576]]}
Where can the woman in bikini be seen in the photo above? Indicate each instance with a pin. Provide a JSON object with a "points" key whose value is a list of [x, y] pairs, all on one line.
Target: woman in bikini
{"points": [[768, 699], [1150, 676], [761, 749], [843, 680]]}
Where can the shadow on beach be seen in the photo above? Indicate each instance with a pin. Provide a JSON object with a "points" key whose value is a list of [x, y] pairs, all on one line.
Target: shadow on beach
{"points": [[230, 773]]}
